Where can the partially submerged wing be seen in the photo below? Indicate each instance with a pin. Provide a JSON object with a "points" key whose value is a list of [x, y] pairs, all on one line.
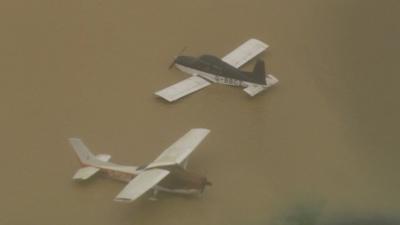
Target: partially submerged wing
{"points": [[245, 52], [183, 88], [140, 184], [181, 149]]}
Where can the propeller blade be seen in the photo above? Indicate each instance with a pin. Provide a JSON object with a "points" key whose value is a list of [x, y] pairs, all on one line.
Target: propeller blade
{"points": [[173, 62], [183, 49]]}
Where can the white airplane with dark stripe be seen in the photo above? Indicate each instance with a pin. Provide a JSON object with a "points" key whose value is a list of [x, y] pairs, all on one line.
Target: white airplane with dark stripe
{"points": [[208, 68]]}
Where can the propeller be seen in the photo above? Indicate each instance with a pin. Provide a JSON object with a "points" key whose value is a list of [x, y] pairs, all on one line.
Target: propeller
{"points": [[205, 184], [173, 62]]}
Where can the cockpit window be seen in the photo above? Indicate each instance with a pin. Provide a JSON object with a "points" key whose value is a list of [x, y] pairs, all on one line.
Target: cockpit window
{"points": [[209, 59]]}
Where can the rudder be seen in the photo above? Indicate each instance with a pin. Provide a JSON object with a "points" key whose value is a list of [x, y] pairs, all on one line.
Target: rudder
{"points": [[258, 74], [81, 150]]}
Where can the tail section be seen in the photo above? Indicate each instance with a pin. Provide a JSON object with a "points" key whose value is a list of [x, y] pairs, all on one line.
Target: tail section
{"points": [[258, 74], [81, 150], [89, 161]]}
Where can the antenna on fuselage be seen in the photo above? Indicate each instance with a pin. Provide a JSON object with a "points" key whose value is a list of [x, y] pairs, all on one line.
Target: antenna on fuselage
{"points": [[180, 53]]}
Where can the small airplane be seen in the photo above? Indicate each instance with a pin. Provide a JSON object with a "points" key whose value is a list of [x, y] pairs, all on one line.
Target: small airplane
{"points": [[166, 173], [209, 68]]}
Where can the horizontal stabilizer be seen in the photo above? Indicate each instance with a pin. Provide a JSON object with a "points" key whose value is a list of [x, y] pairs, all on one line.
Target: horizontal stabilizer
{"points": [[85, 173], [103, 157], [140, 184], [254, 89], [182, 88]]}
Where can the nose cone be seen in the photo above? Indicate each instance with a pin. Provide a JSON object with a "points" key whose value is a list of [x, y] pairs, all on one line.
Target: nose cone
{"points": [[206, 183]]}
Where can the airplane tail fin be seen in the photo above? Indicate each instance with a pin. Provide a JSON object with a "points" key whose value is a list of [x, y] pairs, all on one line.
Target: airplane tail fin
{"points": [[87, 159], [81, 150], [258, 74]]}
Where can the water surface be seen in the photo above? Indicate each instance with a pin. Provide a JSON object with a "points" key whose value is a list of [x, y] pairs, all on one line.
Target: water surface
{"points": [[326, 134]]}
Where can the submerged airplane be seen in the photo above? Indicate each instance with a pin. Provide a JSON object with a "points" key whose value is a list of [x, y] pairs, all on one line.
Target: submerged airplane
{"points": [[166, 173], [208, 68]]}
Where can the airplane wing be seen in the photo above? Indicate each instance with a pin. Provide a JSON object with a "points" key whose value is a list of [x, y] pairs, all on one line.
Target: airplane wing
{"points": [[140, 184], [181, 149], [245, 52], [183, 88]]}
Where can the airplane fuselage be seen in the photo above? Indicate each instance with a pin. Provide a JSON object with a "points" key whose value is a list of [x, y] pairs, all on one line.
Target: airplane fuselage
{"points": [[178, 180], [215, 70], [182, 181], [212, 77]]}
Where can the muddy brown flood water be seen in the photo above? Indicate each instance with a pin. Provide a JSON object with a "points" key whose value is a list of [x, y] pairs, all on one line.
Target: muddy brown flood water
{"points": [[318, 148]]}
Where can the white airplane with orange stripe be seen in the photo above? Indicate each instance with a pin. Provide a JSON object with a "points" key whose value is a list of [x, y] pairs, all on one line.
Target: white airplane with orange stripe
{"points": [[166, 173]]}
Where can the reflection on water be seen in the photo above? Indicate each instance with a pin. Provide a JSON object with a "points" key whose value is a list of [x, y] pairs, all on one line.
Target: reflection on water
{"points": [[315, 214], [304, 213], [364, 219]]}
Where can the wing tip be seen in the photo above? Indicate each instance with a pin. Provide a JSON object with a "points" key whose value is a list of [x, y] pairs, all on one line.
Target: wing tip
{"points": [[205, 130], [73, 139], [78, 178], [265, 45], [123, 200], [166, 98]]}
